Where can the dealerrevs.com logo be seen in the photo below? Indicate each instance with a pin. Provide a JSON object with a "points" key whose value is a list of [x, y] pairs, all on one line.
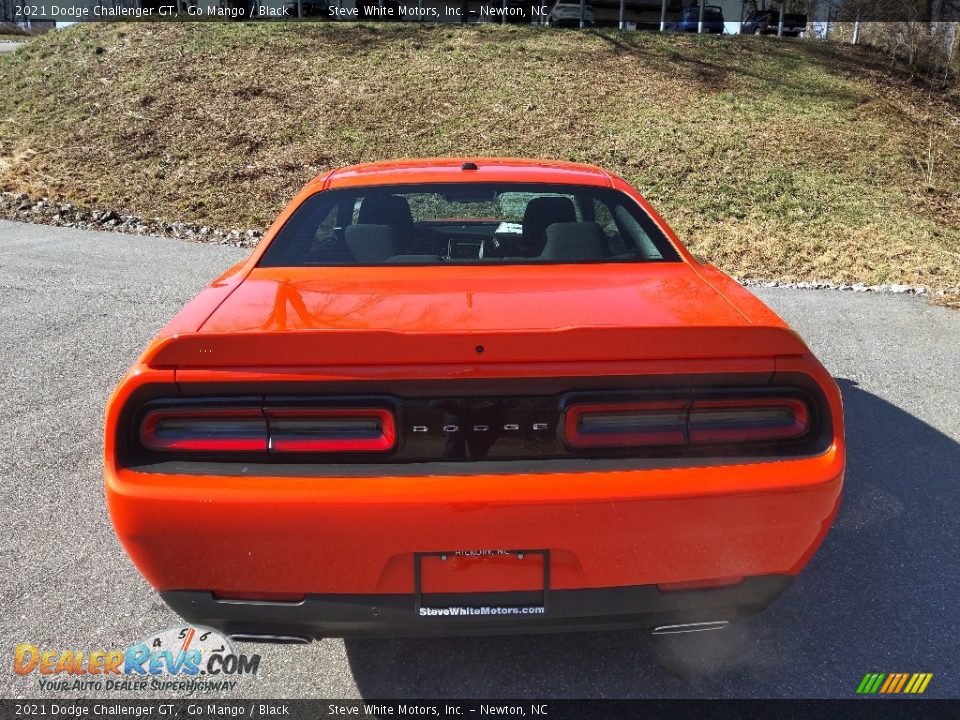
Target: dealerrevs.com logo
{"points": [[186, 658]]}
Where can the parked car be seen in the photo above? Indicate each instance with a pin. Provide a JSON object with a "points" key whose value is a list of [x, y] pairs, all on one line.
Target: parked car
{"points": [[689, 21], [567, 13], [767, 22], [467, 396], [311, 8]]}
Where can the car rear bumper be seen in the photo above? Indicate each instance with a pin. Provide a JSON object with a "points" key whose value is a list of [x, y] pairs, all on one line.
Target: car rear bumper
{"points": [[318, 616], [251, 536]]}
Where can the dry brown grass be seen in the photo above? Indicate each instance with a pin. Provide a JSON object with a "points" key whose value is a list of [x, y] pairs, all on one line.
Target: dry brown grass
{"points": [[785, 160]]}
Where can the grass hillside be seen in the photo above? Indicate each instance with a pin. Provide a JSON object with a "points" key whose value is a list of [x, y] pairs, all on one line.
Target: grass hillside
{"points": [[780, 160]]}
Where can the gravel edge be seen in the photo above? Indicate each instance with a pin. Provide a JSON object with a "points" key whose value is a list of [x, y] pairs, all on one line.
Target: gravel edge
{"points": [[20, 207]]}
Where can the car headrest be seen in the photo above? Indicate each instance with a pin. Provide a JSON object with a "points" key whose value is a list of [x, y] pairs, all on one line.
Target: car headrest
{"points": [[385, 210], [575, 241], [371, 243], [540, 213]]}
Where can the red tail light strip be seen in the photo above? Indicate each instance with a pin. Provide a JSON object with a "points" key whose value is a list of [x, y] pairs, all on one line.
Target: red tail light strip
{"points": [[331, 430], [681, 423], [714, 421], [626, 424], [257, 430], [205, 430]]}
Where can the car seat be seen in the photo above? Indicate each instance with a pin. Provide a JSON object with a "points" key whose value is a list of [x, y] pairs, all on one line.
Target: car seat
{"points": [[371, 243], [541, 212], [575, 241]]}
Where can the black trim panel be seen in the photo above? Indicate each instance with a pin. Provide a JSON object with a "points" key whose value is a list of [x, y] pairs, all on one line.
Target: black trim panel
{"points": [[521, 449], [638, 606]]}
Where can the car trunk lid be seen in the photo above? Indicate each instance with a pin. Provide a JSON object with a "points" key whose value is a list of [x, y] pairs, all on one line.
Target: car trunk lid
{"points": [[457, 314]]}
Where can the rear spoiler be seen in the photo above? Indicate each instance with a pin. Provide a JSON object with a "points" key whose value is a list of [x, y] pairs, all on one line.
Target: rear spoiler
{"points": [[340, 347]]}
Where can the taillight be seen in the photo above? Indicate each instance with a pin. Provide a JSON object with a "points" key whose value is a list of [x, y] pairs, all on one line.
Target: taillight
{"points": [[204, 430], [272, 429], [330, 430], [713, 421], [690, 422], [626, 424]]}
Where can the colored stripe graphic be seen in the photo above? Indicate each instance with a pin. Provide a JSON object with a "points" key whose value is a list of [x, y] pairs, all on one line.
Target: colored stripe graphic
{"points": [[870, 683], [918, 683], [894, 683]]}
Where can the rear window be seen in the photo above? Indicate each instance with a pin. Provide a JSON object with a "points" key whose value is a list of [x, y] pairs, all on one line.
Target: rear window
{"points": [[468, 223]]}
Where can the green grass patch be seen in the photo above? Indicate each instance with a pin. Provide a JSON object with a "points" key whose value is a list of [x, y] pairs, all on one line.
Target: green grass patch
{"points": [[785, 160]]}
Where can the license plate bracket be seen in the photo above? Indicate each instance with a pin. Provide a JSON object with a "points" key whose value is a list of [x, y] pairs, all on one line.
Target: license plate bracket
{"points": [[465, 584]]}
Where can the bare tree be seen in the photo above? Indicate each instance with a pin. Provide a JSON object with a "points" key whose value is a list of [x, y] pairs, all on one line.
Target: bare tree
{"points": [[8, 12], [920, 34]]}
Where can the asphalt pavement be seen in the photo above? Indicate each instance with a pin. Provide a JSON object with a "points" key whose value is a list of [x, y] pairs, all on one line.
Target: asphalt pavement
{"points": [[882, 594]]}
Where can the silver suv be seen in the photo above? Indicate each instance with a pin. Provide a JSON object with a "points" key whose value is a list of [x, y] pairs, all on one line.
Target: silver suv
{"points": [[567, 12]]}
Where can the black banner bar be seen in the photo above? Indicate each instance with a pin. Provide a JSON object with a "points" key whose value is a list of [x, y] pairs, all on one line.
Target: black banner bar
{"points": [[645, 14], [871, 708]]}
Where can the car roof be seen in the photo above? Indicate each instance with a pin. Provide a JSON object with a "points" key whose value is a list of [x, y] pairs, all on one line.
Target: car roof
{"points": [[456, 170]]}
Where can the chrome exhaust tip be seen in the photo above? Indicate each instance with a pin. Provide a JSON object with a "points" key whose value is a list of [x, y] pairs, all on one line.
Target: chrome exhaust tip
{"points": [[690, 627], [277, 639]]}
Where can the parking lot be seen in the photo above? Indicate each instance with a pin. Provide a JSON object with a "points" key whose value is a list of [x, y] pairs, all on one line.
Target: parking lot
{"points": [[880, 596]]}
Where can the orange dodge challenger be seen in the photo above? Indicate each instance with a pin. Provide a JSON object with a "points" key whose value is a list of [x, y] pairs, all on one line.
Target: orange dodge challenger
{"points": [[471, 396]]}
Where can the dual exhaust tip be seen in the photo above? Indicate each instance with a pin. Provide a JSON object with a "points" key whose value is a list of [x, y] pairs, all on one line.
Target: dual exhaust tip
{"points": [[275, 639], [690, 627]]}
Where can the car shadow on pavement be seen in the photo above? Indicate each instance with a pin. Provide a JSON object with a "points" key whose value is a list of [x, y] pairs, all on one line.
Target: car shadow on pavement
{"points": [[879, 596]]}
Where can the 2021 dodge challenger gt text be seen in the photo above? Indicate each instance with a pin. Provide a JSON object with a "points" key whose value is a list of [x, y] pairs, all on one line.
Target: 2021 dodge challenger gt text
{"points": [[454, 397]]}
